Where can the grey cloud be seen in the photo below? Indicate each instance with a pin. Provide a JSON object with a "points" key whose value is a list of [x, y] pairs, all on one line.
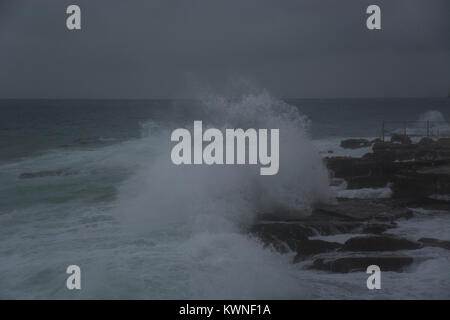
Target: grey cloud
{"points": [[294, 48]]}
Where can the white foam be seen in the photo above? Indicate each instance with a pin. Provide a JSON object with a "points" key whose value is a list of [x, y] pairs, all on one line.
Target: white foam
{"points": [[440, 197], [365, 193]]}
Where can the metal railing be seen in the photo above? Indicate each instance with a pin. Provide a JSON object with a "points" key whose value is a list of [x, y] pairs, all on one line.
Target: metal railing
{"points": [[432, 129]]}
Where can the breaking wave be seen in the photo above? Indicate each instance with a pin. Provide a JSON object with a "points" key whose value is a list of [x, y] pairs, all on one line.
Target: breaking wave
{"points": [[226, 197]]}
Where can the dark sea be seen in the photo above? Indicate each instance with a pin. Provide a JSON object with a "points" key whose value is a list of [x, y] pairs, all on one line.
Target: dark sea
{"points": [[30, 126], [90, 183]]}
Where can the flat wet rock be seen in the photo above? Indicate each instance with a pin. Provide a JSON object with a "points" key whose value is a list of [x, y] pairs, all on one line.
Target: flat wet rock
{"points": [[355, 264], [48, 173], [379, 243], [413, 169], [282, 236], [377, 228], [430, 242], [367, 209], [346, 216], [416, 173], [422, 182], [355, 143], [311, 247]]}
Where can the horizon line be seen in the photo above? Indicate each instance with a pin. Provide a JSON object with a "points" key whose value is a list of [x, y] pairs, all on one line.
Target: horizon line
{"points": [[282, 98]]}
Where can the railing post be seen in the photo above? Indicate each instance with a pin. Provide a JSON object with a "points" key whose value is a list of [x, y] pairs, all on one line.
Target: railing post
{"points": [[382, 130], [428, 128]]}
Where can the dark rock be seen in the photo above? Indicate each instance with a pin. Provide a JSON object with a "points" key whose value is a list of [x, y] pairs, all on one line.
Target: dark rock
{"points": [[377, 228], [422, 182], [426, 149], [336, 182], [414, 171], [390, 152], [426, 141], [293, 235], [372, 181], [429, 204], [400, 138], [310, 247], [366, 167], [282, 236], [379, 243], [344, 167], [346, 216], [376, 140], [353, 264], [430, 242], [355, 143], [363, 210], [395, 214], [48, 173], [443, 143]]}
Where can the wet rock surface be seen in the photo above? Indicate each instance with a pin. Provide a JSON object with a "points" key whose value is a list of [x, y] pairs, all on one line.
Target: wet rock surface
{"points": [[311, 247], [377, 228], [400, 138], [430, 242], [354, 264], [411, 169], [379, 243], [416, 172], [48, 173], [355, 143]]}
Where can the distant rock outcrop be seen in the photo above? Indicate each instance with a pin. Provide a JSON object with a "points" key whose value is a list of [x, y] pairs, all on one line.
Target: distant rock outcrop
{"points": [[400, 138], [354, 264], [48, 173], [379, 243], [355, 143]]}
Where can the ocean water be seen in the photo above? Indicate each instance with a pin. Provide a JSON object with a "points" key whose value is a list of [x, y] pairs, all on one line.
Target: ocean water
{"points": [[140, 227]]}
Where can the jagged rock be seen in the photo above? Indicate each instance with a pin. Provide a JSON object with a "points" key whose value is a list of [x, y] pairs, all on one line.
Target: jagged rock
{"points": [[344, 167], [415, 170], [376, 140], [48, 173], [426, 149], [430, 242], [355, 143], [443, 143], [422, 182], [364, 210], [400, 138], [429, 204], [379, 243], [377, 228], [365, 167], [293, 235], [345, 216], [426, 141], [283, 236], [353, 264], [372, 181], [390, 151], [310, 247]]}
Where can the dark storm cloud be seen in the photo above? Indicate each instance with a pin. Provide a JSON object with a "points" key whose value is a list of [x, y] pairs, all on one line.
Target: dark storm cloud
{"points": [[154, 48]]}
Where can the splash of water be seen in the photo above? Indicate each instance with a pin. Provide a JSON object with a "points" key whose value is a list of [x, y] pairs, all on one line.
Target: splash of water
{"points": [[432, 116], [226, 198]]}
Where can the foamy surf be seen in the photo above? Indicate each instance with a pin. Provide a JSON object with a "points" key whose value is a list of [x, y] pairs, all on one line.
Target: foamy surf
{"points": [[140, 229]]}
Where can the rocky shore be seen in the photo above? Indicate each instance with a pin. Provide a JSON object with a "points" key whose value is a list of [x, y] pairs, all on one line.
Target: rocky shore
{"points": [[418, 175]]}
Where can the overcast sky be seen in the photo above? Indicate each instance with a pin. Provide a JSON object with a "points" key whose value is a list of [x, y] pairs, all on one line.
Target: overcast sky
{"points": [[157, 48]]}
